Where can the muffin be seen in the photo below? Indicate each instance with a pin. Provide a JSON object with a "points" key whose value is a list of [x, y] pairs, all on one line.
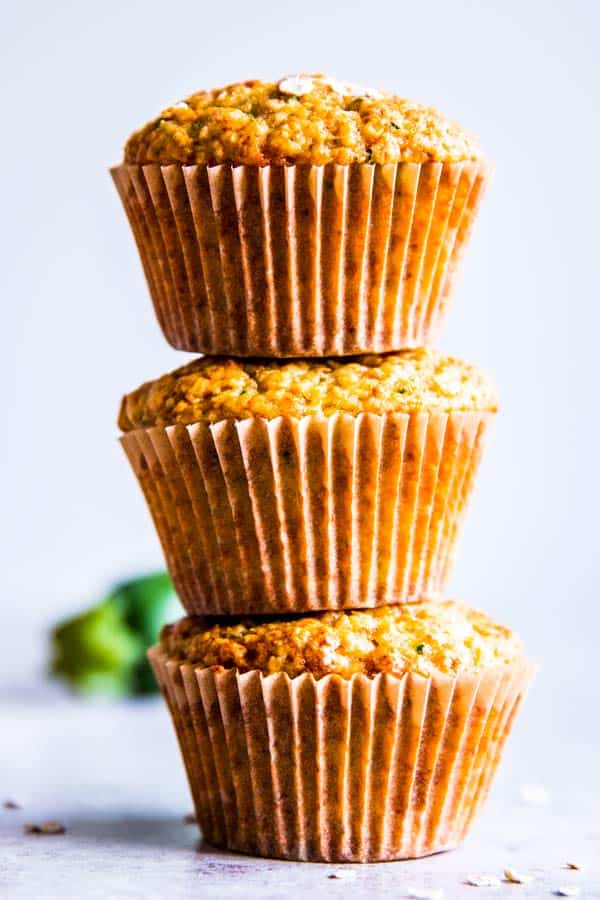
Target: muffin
{"points": [[287, 486], [304, 217], [351, 736]]}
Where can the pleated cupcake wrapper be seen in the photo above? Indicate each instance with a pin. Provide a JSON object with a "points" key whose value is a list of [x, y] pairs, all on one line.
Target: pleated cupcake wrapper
{"points": [[288, 515], [301, 260], [339, 770]]}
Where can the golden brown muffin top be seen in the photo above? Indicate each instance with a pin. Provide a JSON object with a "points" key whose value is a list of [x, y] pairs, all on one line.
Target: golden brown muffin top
{"points": [[300, 119], [210, 389], [426, 638]]}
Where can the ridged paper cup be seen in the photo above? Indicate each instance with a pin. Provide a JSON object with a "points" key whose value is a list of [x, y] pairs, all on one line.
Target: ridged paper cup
{"points": [[301, 260], [339, 770], [291, 515]]}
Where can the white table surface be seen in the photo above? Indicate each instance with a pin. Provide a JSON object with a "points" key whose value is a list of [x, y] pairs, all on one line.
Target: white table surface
{"points": [[110, 772]]}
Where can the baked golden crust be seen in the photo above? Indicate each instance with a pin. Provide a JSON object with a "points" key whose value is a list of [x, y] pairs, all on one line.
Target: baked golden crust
{"points": [[211, 389], [299, 120], [426, 638]]}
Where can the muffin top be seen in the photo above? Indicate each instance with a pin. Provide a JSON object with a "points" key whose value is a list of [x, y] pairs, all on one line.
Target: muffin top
{"points": [[426, 638], [301, 119], [210, 389]]}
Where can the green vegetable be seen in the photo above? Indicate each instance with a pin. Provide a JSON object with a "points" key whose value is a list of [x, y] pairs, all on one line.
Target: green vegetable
{"points": [[103, 650], [419, 648]]}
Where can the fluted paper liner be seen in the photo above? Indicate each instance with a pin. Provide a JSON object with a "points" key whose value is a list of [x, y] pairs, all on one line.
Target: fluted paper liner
{"points": [[288, 515], [301, 260], [339, 770]]}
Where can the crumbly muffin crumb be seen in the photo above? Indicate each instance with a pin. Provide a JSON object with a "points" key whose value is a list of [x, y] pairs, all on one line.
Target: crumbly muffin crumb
{"points": [[210, 389], [426, 638], [300, 119]]}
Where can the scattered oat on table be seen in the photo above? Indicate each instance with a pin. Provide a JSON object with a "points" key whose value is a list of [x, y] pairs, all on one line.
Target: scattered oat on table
{"points": [[343, 874], [483, 881], [50, 827], [567, 890], [10, 804], [573, 865], [415, 893], [516, 877]]}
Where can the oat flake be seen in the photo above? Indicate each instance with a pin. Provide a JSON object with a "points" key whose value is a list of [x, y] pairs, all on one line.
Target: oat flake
{"points": [[50, 827], [516, 877], [343, 874], [415, 893], [348, 89], [296, 85], [483, 881]]}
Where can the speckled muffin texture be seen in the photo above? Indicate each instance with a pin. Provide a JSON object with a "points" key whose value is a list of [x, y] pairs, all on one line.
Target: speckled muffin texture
{"points": [[348, 737], [427, 638], [300, 217], [285, 487], [299, 120], [209, 390]]}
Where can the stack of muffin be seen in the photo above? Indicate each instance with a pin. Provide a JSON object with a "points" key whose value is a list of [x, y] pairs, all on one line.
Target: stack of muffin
{"points": [[309, 476]]}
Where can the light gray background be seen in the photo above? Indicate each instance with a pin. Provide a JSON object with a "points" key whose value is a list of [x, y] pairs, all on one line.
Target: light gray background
{"points": [[78, 328]]}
